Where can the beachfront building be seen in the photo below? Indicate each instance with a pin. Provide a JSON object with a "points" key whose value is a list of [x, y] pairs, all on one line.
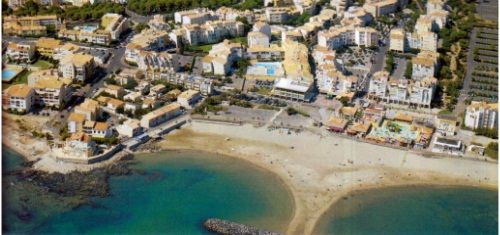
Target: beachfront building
{"points": [[21, 52], [188, 98], [449, 146], [77, 148], [48, 46], [161, 115], [19, 97], [339, 36], [293, 89], [424, 65], [336, 124], [481, 115], [446, 125], [379, 8], [29, 25], [96, 129], [130, 128], [221, 57], [333, 82], [401, 91], [77, 66], [401, 131]]}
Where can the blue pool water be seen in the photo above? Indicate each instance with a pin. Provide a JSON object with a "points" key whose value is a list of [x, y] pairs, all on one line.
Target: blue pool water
{"points": [[270, 67], [8, 74]]}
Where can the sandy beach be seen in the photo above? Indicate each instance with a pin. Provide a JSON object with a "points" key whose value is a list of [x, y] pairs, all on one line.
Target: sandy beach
{"points": [[320, 169]]}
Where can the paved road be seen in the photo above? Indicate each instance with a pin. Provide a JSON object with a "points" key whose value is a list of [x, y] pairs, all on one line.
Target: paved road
{"points": [[379, 58]]}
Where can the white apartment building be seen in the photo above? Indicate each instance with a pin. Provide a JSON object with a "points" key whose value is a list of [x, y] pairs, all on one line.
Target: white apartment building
{"points": [[187, 98], [221, 57], [424, 65], [257, 39], [402, 91], [279, 15], [333, 82], [208, 32], [262, 27], [115, 24], [481, 115], [77, 66], [383, 7], [147, 40], [50, 91], [130, 128], [357, 15], [338, 37], [194, 16], [401, 41], [19, 97], [21, 51]]}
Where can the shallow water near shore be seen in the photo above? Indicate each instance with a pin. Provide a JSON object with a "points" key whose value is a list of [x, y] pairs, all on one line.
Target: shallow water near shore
{"points": [[176, 193], [414, 210]]}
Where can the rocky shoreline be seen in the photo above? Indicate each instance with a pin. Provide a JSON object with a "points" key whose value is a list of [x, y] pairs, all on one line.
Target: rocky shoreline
{"points": [[31, 187]]}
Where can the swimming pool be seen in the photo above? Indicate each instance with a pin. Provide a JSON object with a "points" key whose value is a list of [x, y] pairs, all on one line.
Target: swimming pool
{"points": [[8, 74], [266, 68]]}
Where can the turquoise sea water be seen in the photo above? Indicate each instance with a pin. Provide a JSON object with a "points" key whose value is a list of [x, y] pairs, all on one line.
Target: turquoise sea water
{"points": [[10, 160], [414, 210], [180, 191]]}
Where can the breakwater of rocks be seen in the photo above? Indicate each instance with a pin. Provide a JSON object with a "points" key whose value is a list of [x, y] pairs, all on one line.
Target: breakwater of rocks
{"points": [[224, 227]]}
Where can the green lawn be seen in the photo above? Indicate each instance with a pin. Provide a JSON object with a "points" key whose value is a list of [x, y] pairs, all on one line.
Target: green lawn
{"points": [[242, 40], [21, 78], [200, 48], [43, 64]]}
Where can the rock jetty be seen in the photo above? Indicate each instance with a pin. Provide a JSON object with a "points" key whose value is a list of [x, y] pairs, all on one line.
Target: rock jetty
{"points": [[224, 227]]}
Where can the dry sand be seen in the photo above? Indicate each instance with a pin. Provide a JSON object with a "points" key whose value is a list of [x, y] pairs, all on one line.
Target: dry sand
{"points": [[321, 169]]}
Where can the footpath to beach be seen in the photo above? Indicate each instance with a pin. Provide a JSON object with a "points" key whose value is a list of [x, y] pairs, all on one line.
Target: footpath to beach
{"points": [[320, 169]]}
